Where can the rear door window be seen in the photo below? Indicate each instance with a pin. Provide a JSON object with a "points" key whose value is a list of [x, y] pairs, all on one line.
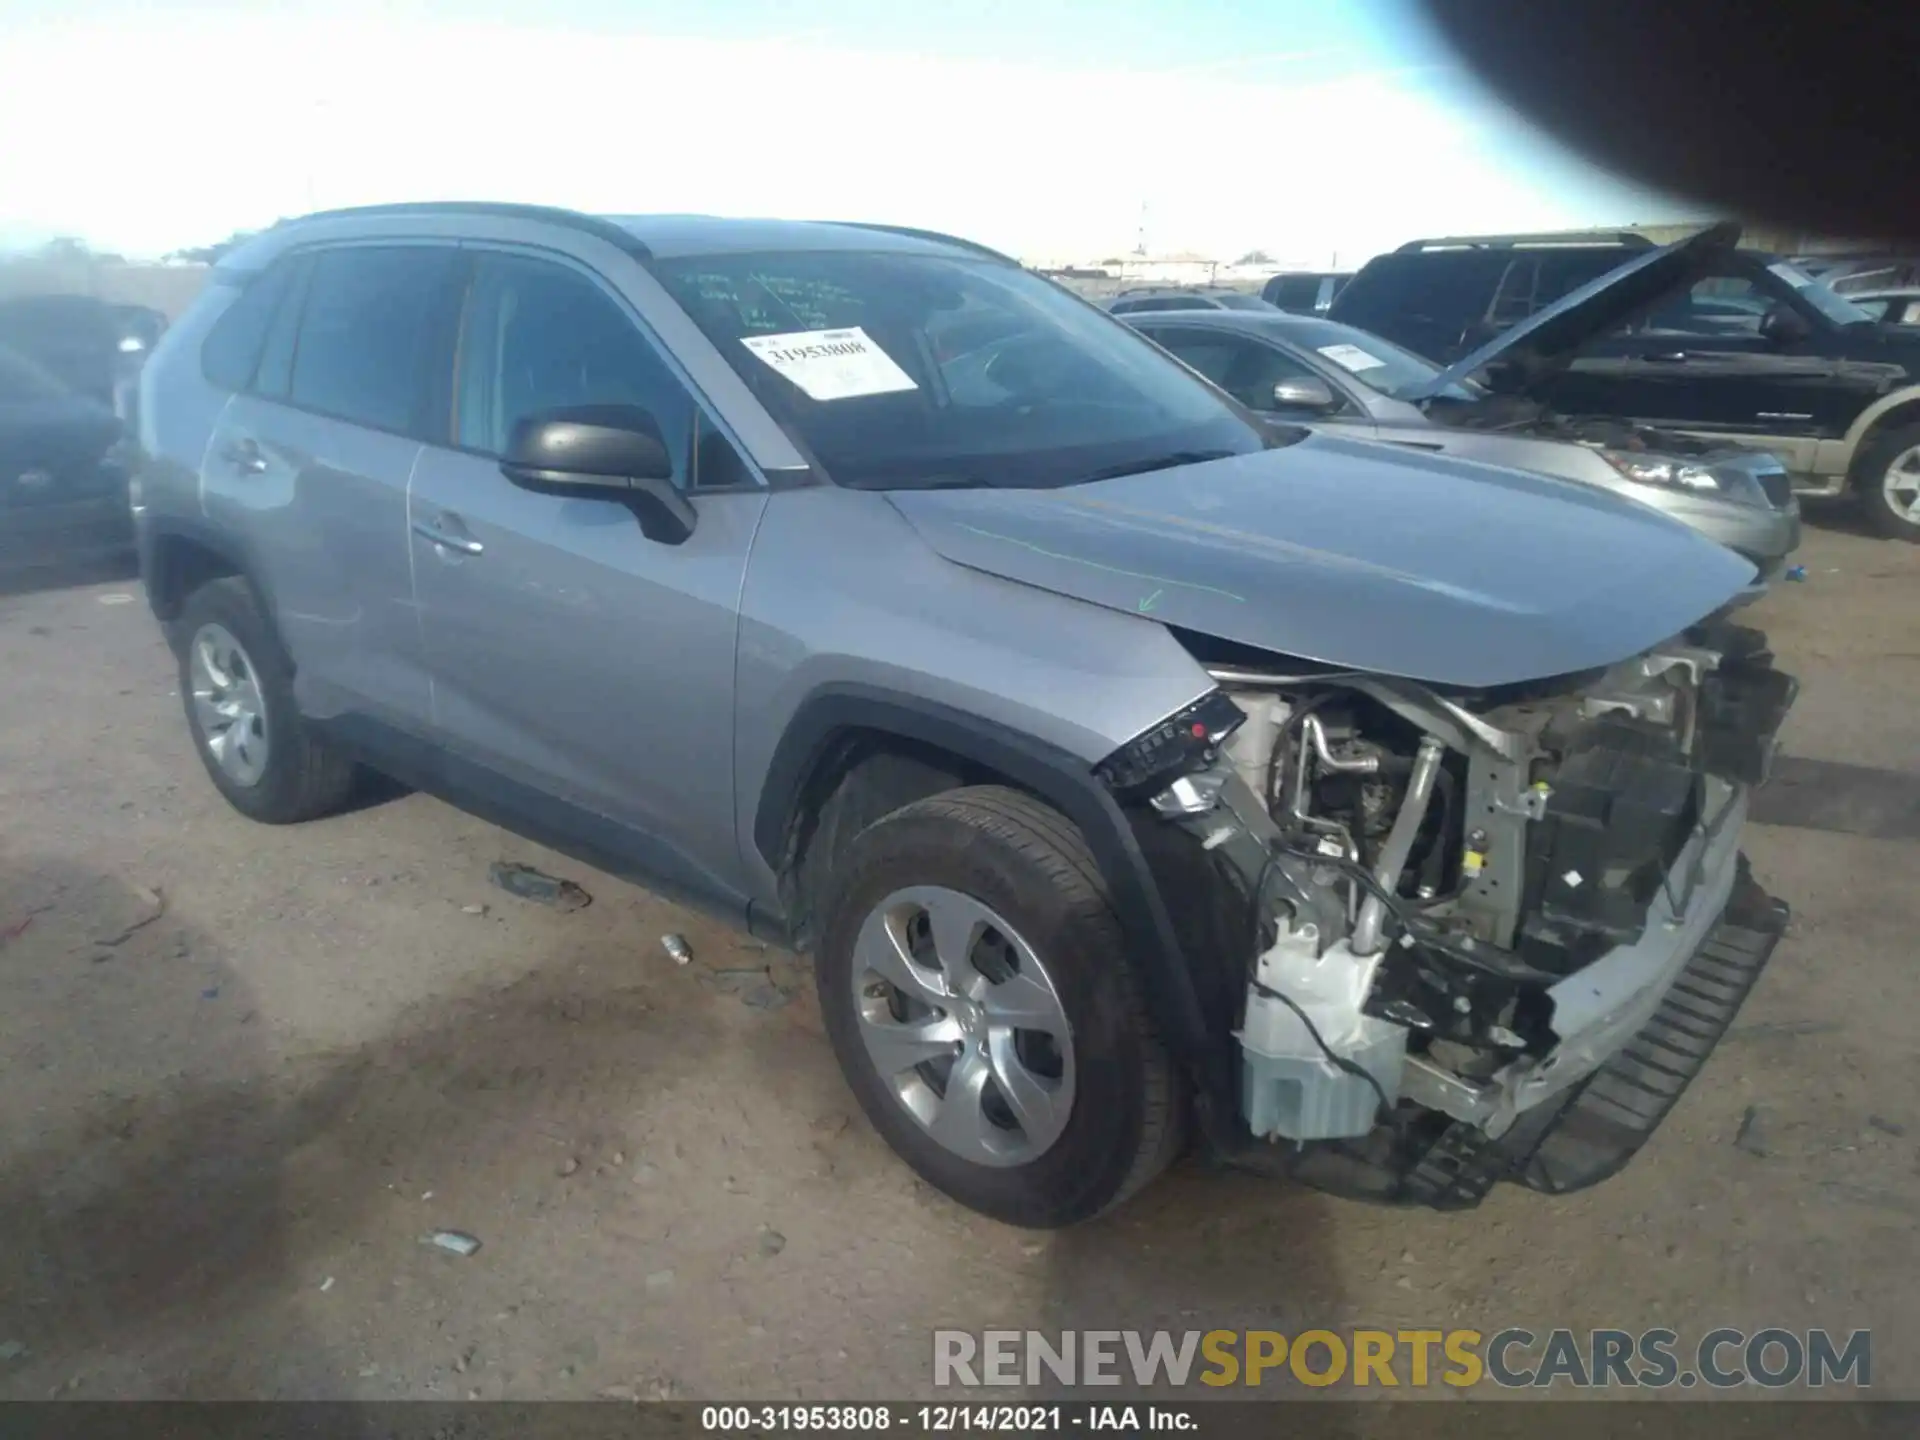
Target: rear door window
{"points": [[365, 333]]}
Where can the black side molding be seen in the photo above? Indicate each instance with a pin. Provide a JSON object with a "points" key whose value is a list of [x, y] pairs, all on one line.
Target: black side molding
{"points": [[1067, 783]]}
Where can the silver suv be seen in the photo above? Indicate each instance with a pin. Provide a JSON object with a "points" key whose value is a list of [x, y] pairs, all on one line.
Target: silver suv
{"points": [[1130, 766]]}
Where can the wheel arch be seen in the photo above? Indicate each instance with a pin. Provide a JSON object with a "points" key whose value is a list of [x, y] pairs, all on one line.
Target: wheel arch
{"points": [[1901, 407], [178, 556], [935, 747]]}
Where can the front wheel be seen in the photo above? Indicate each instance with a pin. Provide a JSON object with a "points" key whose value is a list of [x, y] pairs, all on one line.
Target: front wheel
{"points": [[1887, 479], [975, 986]]}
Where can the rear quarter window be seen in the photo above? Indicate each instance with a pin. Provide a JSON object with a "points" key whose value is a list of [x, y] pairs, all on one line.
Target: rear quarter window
{"points": [[231, 352]]}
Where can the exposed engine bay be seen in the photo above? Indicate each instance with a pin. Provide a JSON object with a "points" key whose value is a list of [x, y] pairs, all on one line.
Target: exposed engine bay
{"points": [[1460, 905]]}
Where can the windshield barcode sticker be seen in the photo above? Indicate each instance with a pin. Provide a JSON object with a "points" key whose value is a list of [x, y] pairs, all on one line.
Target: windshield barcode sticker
{"points": [[1351, 357], [831, 364]]}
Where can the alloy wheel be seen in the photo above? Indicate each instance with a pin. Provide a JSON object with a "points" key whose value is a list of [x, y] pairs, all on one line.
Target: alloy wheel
{"points": [[1901, 485]]}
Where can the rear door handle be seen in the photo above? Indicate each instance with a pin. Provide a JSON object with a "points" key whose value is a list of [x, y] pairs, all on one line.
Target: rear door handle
{"points": [[1666, 357], [244, 456], [445, 531]]}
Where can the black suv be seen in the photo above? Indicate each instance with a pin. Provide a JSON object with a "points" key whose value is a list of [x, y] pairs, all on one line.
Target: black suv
{"points": [[1743, 346], [1304, 292]]}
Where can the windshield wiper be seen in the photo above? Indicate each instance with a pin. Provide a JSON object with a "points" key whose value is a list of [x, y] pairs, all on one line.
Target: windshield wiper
{"points": [[1159, 462]]}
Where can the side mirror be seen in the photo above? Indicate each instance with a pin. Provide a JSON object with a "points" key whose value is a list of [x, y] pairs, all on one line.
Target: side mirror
{"points": [[1305, 392], [606, 452], [1783, 325]]}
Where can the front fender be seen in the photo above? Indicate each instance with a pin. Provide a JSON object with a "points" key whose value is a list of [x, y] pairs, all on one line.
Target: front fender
{"points": [[1064, 781]]}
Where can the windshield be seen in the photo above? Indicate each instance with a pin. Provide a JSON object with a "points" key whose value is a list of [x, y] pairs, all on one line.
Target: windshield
{"points": [[903, 371], [1378, 364], [1817, 293]]}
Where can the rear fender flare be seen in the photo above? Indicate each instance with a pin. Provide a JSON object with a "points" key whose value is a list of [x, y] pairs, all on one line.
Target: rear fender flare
{"points": [[1865, 422], [159, 536]]}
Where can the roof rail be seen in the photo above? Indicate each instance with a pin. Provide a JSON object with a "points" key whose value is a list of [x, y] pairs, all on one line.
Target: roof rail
{"points": [[1628, 238], [553, 214], [913, 233]]}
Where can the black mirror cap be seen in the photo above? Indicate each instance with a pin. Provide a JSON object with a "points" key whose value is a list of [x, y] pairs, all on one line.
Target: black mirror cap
{"points": [[609, 452], [587, 446]]}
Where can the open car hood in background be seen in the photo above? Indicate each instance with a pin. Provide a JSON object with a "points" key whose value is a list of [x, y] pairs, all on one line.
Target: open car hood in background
{"points": [[1545, 341], [1356, 555]]}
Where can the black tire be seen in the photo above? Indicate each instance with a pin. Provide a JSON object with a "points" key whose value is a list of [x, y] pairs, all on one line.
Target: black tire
{"points": [[304, 777], [1869, 475], [1027, 863]]}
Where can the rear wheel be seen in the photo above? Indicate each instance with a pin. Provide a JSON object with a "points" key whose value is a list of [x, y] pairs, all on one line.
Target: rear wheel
{"points": [[1887, 479], [237, 685], [975, 986]]}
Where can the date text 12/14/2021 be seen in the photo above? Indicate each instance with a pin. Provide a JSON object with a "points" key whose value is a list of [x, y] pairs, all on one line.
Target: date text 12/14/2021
{"points": [[909, 1419]]}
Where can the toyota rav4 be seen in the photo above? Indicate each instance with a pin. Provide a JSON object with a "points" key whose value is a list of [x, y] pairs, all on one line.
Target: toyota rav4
{"points": [[1131, 767]]}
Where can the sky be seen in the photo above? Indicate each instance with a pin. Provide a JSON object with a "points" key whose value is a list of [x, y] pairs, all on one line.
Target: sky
{"points": [[1320, 131]]}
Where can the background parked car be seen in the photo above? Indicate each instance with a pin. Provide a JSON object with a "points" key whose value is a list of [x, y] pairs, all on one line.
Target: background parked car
{"points": [[75, 339], [1741, 347], [1891, 307], [63, 488], [1871, 270], [1134, 302], [1306, 292], [1310, 370]]}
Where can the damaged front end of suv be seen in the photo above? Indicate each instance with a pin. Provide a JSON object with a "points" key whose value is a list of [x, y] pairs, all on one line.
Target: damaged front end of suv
{"points": [[1446, 839], [1486, 934]]}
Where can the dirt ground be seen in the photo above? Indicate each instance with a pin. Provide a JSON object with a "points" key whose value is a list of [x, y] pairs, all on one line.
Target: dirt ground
{"points": [[248, 1069]]}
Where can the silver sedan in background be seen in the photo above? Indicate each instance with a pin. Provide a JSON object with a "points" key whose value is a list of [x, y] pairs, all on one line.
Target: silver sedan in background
{"points": [[1312, 371]]}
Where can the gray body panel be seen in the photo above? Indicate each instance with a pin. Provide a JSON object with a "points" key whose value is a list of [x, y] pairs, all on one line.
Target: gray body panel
{"points": [[328, 513], [1070, 674], [1337, 551], [575, 657]]}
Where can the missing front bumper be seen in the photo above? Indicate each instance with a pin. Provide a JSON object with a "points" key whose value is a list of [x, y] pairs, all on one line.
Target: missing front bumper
{"points": [[1590, 1131]]}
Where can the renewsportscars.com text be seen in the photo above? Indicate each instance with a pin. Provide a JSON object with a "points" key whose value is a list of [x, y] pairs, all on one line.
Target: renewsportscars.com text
{"points": [[1514, 1358]]}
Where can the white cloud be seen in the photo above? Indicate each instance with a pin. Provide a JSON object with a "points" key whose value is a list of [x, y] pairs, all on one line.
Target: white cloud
{"points": [[189, 130]]}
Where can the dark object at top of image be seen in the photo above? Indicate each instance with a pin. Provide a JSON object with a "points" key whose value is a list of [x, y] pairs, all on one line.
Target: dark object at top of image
{"points": [[1826, 150]]}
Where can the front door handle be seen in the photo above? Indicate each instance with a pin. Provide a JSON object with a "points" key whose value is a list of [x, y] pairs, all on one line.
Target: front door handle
{"points": [[440, 534], [244, 456], [1667, 357]]}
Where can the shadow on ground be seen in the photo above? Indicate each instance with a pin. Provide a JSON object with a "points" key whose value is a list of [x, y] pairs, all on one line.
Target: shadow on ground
{"points": [[1204, 1248], [157, 1219]]}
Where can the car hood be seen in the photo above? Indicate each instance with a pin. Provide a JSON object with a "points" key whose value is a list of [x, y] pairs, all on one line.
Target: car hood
{"points": [[1353, 554], [1536, 348]]}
